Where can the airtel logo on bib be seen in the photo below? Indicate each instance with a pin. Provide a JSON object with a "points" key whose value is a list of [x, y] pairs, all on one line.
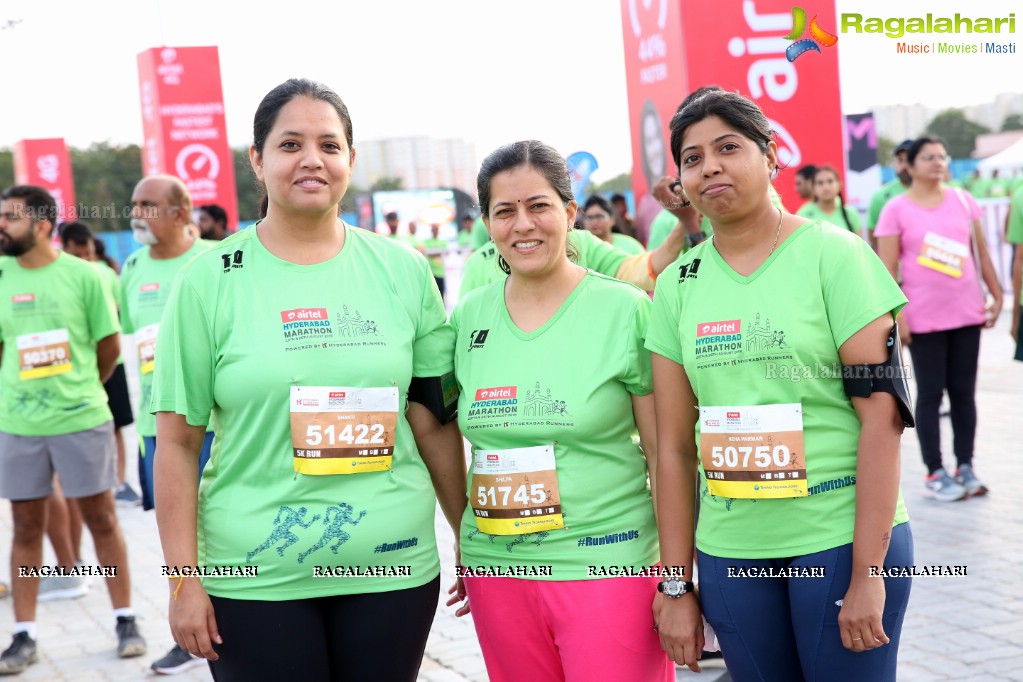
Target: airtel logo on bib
{"points": [[303, 314]]}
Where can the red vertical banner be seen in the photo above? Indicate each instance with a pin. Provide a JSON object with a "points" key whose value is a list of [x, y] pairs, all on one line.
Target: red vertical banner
{"points": [[657, 84], [746, 46], [45, 163], [183, 123]]}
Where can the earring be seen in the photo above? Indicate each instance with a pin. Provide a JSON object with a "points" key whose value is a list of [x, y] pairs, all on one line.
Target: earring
{"points": [[503, 264]]}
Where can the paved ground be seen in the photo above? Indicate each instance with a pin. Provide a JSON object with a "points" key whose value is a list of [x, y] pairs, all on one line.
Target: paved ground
{"points": [[958, 628]]}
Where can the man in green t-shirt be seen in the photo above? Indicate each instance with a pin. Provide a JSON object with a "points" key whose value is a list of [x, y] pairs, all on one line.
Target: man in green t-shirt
{"points": [[890, 190], [161, 210], [78, 240], [58, 342], [465, 234], [434, 248], [1015, 237]]}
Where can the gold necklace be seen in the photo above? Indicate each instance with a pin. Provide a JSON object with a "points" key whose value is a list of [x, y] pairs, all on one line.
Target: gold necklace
{"points": [[777, 233]]}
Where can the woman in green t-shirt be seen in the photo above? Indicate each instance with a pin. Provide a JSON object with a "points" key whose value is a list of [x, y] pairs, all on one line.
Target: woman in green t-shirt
{"points": [[305, 341], [828, 202], [553, 377], [749, 345]]}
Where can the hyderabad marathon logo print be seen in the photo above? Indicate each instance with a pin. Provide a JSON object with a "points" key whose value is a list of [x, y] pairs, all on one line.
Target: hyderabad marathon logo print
{"points": [[818, 36]]}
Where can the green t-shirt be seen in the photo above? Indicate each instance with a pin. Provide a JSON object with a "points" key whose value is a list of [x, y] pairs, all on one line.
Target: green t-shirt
{"points": [[660, 228], [146, 286], [981, 187], [435, 250], [773, 338], [465, 239], [51, 319], [627, 244], [1015, 235], [595, 254], [882, 197], [114, 286], [243, 327], [813, 212], [583, 407], [480, 236]]}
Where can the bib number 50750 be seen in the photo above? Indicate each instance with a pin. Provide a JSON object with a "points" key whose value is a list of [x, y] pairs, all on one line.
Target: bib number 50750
{"points": [[739, 456]]}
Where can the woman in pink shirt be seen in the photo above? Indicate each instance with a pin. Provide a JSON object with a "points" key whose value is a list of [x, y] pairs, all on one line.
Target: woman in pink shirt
{"points": [[933, 235]]}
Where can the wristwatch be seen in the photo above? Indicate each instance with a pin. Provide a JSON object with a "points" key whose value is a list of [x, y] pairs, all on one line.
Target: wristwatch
{"points": [[673, 588]]}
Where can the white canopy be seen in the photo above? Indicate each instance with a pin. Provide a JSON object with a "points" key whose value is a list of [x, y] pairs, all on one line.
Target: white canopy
{"points": [[1010, 158]]}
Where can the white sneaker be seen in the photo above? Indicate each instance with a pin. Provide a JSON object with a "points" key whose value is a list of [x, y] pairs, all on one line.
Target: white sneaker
{"points": [[53, 587]]}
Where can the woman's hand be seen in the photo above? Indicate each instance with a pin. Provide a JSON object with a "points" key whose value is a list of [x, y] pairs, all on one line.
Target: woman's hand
{"points": [[458, 589], [992, 311], [904, 334], [859, 621], [679, 624], [192, 622]]}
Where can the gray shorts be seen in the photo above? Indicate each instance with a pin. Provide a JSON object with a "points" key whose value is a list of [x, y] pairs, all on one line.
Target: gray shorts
{"points": [[85, 460]]}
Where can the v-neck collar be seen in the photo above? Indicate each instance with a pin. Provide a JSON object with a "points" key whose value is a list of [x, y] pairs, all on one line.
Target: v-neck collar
{"points": [[728, 270]]}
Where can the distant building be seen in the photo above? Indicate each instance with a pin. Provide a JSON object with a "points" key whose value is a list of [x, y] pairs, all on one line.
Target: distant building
{"points": [[420, 163], [901, 121]]}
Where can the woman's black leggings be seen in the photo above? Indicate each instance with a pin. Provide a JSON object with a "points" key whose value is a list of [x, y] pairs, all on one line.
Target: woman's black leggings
{"points": [[377, 636], [946, 361]]}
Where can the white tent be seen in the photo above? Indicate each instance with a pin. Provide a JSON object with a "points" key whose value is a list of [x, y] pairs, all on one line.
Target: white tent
{"points": [[1009, 159]]}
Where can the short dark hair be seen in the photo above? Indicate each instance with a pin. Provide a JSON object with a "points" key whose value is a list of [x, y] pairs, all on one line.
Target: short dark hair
{"points": [[532, 153], [914, 149], [807, 172], [616, 197], [39, 204], [390, 215], [217, 213], [597, 200], [75, 232], [738, 112]]}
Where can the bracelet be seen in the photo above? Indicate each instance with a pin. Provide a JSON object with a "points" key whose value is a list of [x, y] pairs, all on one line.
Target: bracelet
{"points": [[180, 579]]}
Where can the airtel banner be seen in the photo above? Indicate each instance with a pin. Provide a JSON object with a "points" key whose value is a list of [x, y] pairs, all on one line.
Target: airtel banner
{"points": [[657, 84], [744, 46], [183, 123], [46, 164]]}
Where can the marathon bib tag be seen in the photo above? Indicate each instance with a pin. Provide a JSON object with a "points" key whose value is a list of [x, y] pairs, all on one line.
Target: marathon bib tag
{"points": [[43, 354], [343, 430], [754, 451], [514, 492], [145, 341], [943, 255]]}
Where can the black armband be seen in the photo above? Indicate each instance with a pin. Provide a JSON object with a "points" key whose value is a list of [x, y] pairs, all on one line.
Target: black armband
{"points": [[437, 394], [887, 377]]}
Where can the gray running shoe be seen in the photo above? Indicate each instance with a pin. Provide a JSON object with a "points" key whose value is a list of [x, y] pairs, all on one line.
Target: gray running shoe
{"points": [[127, 497], [941, 487], [53, 587], [19, 655], [129, 641], [966, 478], [176, 661]]}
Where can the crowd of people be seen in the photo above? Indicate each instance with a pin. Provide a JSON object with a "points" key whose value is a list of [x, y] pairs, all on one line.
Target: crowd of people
{"points": [[305, 401]]}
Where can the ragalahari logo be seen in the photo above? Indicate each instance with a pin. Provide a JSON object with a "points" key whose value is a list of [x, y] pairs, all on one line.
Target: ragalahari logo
{"points": [[818, 36]]}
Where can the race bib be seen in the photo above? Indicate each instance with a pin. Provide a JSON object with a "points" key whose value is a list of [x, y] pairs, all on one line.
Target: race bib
{"points": [[943, 255], [145, 341], [516, 491], [753, 451], [343, 430], [43, 354]]}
